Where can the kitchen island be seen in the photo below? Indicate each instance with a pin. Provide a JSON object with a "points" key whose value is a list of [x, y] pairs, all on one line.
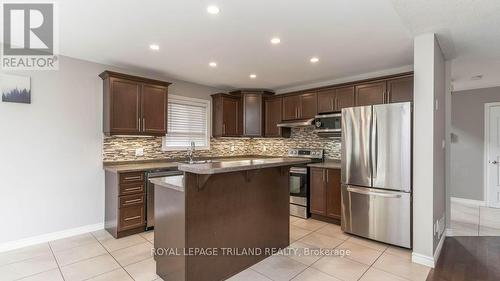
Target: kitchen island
{"points": [[220, 218]]}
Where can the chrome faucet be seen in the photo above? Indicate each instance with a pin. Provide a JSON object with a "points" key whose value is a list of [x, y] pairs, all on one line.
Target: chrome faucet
{"points": [[190, 152]]}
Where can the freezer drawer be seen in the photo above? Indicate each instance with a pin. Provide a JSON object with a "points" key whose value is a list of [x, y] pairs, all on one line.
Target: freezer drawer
{"points": [[377, 214]]}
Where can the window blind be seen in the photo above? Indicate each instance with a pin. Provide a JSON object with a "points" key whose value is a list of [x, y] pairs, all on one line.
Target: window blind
{"points": [[187, 121]]}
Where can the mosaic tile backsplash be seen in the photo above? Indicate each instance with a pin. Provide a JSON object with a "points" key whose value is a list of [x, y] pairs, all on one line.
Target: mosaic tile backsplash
{"points": [[123, 148]]}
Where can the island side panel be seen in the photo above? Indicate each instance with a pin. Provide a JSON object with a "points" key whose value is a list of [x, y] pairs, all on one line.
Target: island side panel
{"points": [[245, 209], [170, 232]]}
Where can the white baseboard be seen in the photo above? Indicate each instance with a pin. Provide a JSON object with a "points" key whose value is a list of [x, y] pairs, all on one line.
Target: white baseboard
{"points": [[422, 259], [439, 247], [427, 260], [12, 245], [468, 201]]}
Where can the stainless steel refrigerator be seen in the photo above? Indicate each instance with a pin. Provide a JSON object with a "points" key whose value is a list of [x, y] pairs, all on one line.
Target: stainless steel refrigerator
{"points": [[376, 172]]}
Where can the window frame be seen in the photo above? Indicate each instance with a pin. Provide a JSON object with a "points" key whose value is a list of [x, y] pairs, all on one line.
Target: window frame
{"points": [[194, 102]]}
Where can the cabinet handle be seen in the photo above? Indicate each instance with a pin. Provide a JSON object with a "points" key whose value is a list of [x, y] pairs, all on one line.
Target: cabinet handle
{"points": [[133, 178], [143, 123], [133, 188], [336, 104], [324, 176], [332, 106], [139, 123], [326, 172], [132, 218], [132, 201]]}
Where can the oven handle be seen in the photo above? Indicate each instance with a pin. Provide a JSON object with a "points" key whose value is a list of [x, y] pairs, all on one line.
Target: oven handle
{"points": [[300, 171]]}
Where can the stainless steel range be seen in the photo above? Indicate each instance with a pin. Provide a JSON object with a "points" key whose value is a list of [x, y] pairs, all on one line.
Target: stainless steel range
{"points": [[299, 181]]}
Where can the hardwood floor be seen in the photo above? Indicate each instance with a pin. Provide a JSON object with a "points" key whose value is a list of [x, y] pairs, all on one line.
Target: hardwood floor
{"points": [[468, 258]]}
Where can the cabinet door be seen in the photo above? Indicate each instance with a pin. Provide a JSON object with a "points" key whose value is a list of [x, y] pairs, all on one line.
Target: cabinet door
{"points": [[272, 115], [318, 191], [291, 106], [333, 201], [125, 106], [154, 109], [344, 97], [370, 94], [326, 101], [252, 115], [400, 90], [230, 110], [308, 105]]}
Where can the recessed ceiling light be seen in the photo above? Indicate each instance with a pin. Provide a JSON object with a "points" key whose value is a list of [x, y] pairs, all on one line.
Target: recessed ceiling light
{"points": [[314, 60], [275, 40], [154, 47], [476, 77], [214, 10], [253, 76], [213, 64]]}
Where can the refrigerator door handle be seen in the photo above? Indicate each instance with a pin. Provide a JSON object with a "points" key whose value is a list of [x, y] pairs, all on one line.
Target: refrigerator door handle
{"points": [[374, 148], [380, 194]]}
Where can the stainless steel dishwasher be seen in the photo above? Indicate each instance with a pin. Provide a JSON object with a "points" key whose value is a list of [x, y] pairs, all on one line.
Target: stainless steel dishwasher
{"points": [[150, 192]]}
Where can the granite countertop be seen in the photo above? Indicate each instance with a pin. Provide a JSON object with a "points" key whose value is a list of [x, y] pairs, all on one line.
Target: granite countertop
{"points": [[144, 165], [328, 164], [239, 165], [172, 182], [122, 168]]}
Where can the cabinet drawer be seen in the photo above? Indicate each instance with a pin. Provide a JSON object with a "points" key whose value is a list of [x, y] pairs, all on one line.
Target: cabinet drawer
{"points": [[132, 200], [131, 217], [131, 188], [132, 177]]}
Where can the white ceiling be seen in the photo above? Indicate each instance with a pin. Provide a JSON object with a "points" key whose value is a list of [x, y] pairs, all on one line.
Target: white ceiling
{"points": [[468, 32], [351, 37]]}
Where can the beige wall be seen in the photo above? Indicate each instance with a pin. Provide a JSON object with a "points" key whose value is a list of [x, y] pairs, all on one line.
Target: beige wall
{"points": [[467, 145], [51, 175]]}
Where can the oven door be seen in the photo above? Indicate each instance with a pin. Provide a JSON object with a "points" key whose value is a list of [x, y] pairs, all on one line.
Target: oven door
{"points": [[298, 186]]}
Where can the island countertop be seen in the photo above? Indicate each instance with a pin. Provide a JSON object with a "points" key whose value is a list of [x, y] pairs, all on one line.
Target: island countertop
{"points": [[239, 165]]}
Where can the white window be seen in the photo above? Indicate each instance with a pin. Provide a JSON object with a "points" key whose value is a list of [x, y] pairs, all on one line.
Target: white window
{"points": [[188, 120]]}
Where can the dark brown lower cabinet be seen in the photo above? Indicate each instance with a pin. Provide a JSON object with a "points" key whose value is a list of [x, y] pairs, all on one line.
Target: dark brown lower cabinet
{"points": [[125, 203], [325, 193]]}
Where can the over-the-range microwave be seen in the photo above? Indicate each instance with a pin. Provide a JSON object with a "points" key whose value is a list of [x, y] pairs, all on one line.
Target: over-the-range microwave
{"points": [[328, 124]]}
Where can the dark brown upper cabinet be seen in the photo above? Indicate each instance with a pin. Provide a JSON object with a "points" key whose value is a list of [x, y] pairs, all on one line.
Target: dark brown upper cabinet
{"points": [[291, 106], [308, 105], [134, 105], [333, 100], [252, 111], [273, 114], [227, 120], [371, 93], [400, 89], [300, 106]]}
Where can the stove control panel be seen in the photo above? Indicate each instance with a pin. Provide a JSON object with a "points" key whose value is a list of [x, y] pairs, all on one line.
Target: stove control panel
{"points": [[306, 153]]}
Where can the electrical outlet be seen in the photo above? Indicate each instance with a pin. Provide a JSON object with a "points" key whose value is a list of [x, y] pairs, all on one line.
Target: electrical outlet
{"points": [[232, 148], [264, 148], [139, 151], [437, 105]]}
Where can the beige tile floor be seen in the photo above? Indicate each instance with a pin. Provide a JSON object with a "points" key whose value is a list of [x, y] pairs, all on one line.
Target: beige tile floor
{"points": [[368, 260], [91, 256], [474, 220], [98, 256]]}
